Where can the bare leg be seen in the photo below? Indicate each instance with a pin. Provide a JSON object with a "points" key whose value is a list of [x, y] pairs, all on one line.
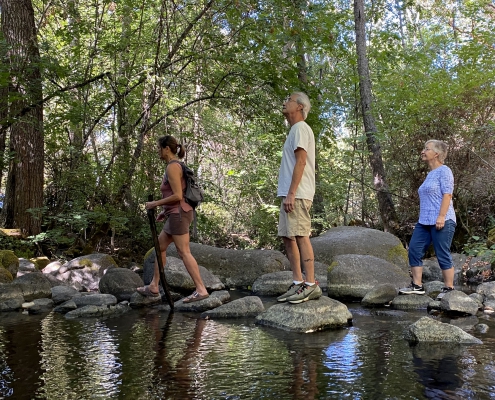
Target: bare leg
{"points": [[417, 275], [307, 257], [294, 257], [164, 239], [448, 277], [182, 245]]}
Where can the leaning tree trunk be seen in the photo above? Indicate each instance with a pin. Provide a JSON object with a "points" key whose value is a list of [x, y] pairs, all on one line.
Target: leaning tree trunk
{"points": [[385, 203], [24, 189]]}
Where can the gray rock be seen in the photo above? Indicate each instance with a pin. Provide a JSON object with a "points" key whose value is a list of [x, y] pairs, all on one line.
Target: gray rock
{"points": [[486, 289], [92, 311], [38, 306], [433, 288], [34, 285], [215, 300], [478, 298], [61, 294], [9, 291], [12, 304], [272, 284], [411, 302], [177, 276], [95, 299], [138, 301], [65, 307], [353, 275], [458, 302], [236, 268], [84, 273], [489, 305], [249, 306], [56, 282], [481, 328], [427, 329], [26, 265], [357, 240], [310, 316], [120, 282], [465, 323], [379, 295]]}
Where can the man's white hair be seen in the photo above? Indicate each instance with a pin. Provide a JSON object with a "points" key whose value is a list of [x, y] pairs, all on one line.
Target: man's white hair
{"points": [[303, 99]]}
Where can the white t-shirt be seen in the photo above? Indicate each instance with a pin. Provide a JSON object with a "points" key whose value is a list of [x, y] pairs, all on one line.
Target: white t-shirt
{"points": [[300, 136]]}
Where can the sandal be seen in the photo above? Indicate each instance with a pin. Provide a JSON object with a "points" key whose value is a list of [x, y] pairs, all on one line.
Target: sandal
{"points": [[146, 291], [195, 297]]}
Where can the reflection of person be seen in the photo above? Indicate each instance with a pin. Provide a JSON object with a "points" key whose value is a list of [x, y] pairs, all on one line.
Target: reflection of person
{"points": [[437, 220], [296, 186], [179, 215]]}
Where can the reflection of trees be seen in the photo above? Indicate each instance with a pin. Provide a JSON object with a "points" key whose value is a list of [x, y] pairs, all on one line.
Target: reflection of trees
{"points": [[79, 359], [6, 374]]}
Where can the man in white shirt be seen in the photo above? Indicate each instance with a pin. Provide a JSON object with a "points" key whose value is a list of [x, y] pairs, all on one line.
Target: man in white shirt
{"points": [[296, 187]]}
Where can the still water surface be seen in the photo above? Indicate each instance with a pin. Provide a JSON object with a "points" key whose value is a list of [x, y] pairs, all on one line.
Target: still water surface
{"points": [[148, 354]]}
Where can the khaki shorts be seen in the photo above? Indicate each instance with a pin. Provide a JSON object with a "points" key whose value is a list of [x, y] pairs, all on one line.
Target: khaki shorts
{"points": [[297, 222]]}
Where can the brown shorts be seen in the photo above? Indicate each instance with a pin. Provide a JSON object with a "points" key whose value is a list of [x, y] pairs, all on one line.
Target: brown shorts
{"points": [[178, 223], [297, 222]]}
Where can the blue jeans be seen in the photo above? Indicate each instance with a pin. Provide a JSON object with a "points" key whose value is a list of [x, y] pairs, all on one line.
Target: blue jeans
{"points": [[421, 239]]}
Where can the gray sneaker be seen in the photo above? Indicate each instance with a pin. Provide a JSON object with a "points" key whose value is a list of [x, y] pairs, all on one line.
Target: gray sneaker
{"points": [[291, 291], [305, 293]]}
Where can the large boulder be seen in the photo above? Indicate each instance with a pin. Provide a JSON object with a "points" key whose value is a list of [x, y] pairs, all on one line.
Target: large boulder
{"points": [[310, 316], [427, 329], [9, 261], [61, 294], [120, 282], [351, 276], [34, 285], [177, 276], [83, 273], [358, 240], [236, 268], [458, 302]]}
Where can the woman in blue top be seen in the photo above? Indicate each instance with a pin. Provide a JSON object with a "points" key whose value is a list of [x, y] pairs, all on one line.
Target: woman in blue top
{"points": [[436, 220]]}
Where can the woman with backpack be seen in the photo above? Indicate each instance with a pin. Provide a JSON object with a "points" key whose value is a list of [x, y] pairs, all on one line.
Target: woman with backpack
{"points": [[179, 215]]}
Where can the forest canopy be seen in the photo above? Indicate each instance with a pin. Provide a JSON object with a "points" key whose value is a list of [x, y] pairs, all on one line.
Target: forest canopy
{"points": [[87, 88]]}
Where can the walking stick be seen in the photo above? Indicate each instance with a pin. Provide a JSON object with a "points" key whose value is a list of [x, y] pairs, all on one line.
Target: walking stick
{"points": [[156, 243]]}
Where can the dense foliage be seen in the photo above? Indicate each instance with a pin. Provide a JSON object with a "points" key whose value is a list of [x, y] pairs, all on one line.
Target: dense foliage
{"points": [[119, 74]]}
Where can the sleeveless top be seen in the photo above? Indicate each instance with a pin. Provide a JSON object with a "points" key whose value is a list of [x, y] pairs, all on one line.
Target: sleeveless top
{"points": [[166, 189]]}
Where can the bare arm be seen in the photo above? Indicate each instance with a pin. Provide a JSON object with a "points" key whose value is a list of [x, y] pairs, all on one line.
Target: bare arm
{"points": [[297, 174], [174, 174], [444, 207]]}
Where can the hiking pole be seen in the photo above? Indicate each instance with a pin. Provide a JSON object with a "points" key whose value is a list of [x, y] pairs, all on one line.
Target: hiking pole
{"points": [[158, 255]]}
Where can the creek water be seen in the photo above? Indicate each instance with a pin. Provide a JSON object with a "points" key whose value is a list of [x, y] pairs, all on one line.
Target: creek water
{"points": [[151, 354]]}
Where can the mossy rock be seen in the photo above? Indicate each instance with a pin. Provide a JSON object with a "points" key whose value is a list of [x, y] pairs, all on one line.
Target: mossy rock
{"points": [[5, 276], [40, 262], [9, 261]]}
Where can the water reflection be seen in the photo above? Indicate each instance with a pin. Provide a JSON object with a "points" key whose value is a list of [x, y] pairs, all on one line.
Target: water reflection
{"points": [[79, 359], [6, 375], [154, 355]]}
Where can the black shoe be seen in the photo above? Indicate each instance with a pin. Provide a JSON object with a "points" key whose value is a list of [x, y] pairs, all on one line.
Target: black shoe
{"points": [[444, 291], [413, 289]]}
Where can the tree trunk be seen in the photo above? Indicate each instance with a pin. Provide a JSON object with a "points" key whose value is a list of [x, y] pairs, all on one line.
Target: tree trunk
{"points": [[385, 203], [25, 178]]}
